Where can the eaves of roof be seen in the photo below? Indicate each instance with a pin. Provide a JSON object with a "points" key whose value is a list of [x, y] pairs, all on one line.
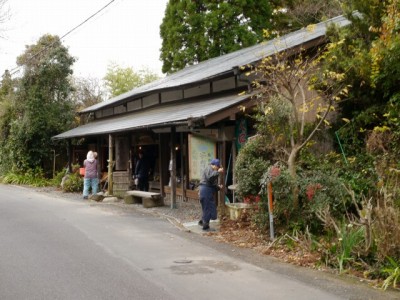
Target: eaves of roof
{"points": [[157, 117]]}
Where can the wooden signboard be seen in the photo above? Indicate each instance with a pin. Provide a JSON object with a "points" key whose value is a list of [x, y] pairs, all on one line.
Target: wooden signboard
{"points": [[201, 151]]}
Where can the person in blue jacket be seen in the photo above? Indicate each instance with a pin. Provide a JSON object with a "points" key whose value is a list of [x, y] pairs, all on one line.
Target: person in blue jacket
{"points": [[208, 186]]}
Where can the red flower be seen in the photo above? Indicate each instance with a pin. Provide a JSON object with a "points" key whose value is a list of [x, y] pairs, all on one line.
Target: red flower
{"points": [[311, 189], [275, 171], [250, 199]]}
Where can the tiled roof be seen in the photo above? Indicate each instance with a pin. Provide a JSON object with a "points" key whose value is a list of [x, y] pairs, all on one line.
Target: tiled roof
{"points": [[227, 63]]}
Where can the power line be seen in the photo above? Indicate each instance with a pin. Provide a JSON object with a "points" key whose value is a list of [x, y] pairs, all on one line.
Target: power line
{"points": [[76, 27], [16, 69]]}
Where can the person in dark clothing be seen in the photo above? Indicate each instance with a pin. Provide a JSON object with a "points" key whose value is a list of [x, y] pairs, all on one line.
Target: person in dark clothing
{"points": [[142, 173], [208, 186]]}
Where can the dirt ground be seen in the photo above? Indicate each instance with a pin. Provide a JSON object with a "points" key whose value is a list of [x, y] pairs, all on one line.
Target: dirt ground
{"points": [[244, 233]]}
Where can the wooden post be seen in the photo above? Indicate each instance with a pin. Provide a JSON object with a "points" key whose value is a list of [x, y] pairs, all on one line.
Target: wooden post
{"points": [[99, 158], [173, 171], [110, 164], [164, 161], [69, 154], [233, 160], [233, 168], [183, 179], [160, 165], [222, 195], [130, 162]]}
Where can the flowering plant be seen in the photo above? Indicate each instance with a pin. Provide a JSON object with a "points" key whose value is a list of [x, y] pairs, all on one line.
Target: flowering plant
{"points": [[251, 199], [311, 190]]}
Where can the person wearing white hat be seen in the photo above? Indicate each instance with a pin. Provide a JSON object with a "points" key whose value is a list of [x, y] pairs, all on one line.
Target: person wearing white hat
{"points": [[91, 179]]}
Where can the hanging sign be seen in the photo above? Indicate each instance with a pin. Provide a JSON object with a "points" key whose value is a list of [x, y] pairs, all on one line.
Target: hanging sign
{"points": [[241, 133]]}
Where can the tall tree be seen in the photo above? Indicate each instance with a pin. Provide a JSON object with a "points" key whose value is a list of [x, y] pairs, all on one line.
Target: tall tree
{"points": [[295, 98], [290, 15], [194, 31], [120, 80], [369, 52], [87, 92], [7, 115], [6, 85], [385, 52], [42, 107]]}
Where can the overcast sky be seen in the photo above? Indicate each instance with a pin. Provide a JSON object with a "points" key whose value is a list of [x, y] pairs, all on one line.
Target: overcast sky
{"points": [[126, 32]]}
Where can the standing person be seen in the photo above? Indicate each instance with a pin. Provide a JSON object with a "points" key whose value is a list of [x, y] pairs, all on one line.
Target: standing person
{"points": [[208, 186], [142, 172], [91, 179]]}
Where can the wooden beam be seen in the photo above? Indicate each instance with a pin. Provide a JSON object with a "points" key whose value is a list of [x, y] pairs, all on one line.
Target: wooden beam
{"points": [[228, 113]]}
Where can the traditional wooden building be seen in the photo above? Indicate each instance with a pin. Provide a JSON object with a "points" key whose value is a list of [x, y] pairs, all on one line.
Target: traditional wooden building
{"points": [[183, 120]]}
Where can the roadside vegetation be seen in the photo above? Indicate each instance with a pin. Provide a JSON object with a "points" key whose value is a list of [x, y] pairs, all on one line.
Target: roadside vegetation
{"points": [[337, 198]]}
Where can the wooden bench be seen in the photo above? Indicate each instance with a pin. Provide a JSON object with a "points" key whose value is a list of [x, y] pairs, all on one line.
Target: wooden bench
{"points": [[148, 199]]}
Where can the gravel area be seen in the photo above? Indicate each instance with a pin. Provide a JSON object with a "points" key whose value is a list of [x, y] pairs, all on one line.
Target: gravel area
{"points": [[184, 211]]}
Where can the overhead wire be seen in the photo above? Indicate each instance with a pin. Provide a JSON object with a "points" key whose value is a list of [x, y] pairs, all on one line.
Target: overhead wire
{"points": [[16, 69]]}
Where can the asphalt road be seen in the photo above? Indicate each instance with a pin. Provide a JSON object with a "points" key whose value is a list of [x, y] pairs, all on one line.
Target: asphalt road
{"points": [[56, 248]]}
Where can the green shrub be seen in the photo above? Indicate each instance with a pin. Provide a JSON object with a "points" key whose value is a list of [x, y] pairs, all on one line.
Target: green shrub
{"points": [[252, 162], [393, 273], [56, 181], [321, 189], [317, 190], [349, 239], [33, 177], [284, 212], [73, 183], [360, 174]]}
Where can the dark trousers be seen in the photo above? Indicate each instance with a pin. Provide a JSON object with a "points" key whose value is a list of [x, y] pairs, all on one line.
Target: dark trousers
{"points": [[143, 184], [208, 203]]}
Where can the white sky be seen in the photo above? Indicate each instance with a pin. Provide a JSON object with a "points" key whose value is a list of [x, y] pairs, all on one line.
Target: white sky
{"points": [[126, 32]]}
